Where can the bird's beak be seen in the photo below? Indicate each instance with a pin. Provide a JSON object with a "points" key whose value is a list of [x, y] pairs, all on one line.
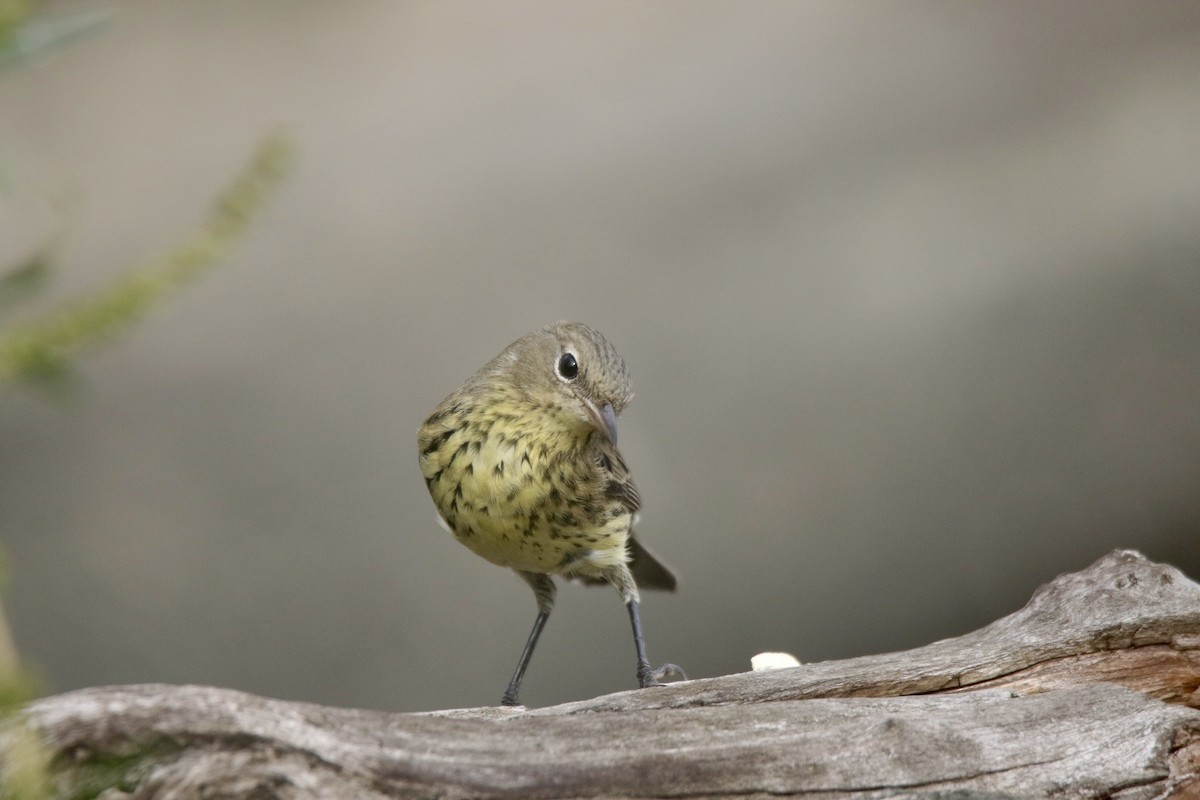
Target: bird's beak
{"points": [[603, 419]]}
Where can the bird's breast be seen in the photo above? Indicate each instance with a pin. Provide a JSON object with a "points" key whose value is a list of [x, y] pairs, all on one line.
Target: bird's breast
{"points": [[521, 491]]}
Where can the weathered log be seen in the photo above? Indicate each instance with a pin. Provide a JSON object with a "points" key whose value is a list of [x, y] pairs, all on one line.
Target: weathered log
{"points": [[1091, 690]]}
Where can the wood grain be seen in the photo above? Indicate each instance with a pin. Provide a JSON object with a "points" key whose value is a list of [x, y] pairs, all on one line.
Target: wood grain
{"points": [[1091, 690]]}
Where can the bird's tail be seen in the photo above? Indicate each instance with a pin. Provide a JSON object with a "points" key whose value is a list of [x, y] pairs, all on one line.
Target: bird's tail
{"points": [[648, 571]]}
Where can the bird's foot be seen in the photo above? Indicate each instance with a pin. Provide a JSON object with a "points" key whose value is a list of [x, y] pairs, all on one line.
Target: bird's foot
{"points": [[652, 676]]}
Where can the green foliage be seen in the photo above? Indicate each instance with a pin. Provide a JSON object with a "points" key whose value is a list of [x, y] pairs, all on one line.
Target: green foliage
{"points": [[41, 348], [12, 14], [17, 684], [24, 760], [26, 279], [95, 774], [24, 36], [24, 763]]}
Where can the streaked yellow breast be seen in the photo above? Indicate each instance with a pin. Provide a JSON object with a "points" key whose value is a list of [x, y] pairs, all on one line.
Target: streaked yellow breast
{"points": [[515, 484]]}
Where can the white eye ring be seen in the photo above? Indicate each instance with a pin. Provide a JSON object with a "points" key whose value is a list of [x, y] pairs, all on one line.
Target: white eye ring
{"points": [[567, 367]]}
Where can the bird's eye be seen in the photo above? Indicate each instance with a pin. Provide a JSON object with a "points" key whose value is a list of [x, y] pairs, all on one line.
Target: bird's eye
{"points": [[568, 367]]}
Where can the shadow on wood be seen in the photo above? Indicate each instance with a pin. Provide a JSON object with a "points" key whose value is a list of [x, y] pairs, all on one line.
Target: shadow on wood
{"points": [[1091, 690]]}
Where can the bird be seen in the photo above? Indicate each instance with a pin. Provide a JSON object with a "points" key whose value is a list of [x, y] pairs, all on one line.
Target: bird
{"points": [[522, 464]]}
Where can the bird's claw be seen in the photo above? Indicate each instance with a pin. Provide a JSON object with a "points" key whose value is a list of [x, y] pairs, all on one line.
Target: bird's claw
{"points": [[648, 676]]}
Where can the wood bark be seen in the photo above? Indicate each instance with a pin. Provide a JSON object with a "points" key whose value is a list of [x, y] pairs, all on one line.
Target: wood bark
{"points": [[1091, 690]]}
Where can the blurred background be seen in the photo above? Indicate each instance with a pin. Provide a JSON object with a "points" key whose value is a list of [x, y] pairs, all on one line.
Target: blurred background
{"points": [[910, 294]]}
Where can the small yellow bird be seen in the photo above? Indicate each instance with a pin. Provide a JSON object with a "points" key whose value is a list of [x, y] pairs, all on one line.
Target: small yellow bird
{"points": [[522, 464]]}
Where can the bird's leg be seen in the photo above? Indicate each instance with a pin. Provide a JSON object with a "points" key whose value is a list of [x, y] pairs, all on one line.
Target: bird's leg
{"points": [[514, 685], [543, 590], [647, 675]]}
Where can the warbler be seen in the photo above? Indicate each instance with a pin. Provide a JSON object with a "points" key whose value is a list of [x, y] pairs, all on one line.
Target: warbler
{"points": [[522, 464]]}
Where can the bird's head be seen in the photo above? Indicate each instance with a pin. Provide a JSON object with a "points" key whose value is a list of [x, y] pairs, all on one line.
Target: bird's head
{"points": [[575, 368]]}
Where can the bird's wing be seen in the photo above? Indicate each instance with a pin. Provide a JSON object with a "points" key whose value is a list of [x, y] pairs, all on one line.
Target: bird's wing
{"points": [[618, 483], [648, 571]]}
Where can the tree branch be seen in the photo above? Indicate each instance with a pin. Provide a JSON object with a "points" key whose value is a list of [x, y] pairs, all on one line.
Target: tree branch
{"points": [[1025, 707]]}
